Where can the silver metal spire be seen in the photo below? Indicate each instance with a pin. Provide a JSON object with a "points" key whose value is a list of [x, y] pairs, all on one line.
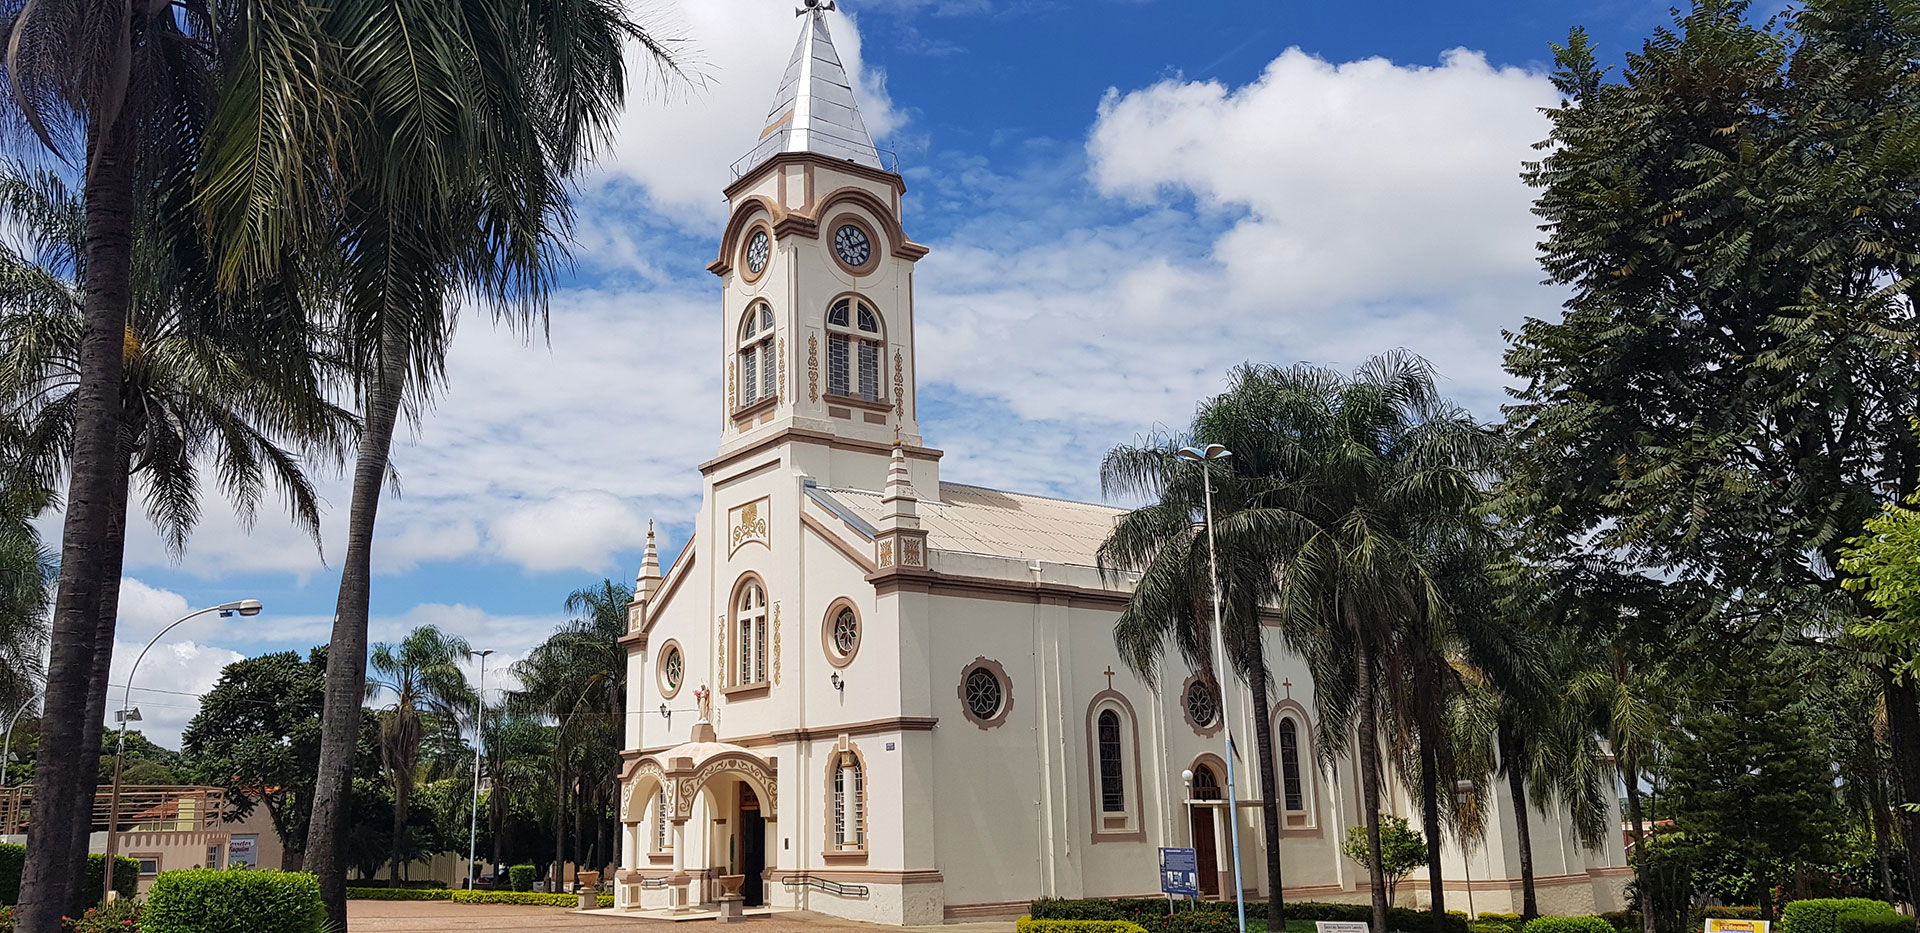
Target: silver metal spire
{"points": [[814, 110]]}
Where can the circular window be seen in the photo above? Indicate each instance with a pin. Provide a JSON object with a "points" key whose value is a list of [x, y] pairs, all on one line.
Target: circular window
{"points": [[983, 693], [1201, 707], [1200, 703], [672, 669], [846, 632], [986, 695]]}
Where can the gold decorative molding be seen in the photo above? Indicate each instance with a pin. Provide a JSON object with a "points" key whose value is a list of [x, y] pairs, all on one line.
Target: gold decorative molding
{"points": [[727, 404], [899, 386], [910, 552], [747, 523], [783, 367], [776, 643], [813, 367], [886, 553]]}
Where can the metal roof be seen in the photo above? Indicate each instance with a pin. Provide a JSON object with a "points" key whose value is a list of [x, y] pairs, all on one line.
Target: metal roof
{"points": [[977, 520], [814, 110]]}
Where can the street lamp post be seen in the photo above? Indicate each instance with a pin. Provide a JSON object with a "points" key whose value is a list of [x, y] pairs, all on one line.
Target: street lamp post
{"points": [[479, 745], [1204, 457], [245, 607]]}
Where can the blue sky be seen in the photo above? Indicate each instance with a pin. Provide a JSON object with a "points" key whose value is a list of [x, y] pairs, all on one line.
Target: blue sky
{"points": [[1124, 198]]}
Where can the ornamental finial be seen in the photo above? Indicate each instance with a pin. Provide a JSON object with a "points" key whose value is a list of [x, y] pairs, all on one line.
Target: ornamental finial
{"points": [[815, 6]]}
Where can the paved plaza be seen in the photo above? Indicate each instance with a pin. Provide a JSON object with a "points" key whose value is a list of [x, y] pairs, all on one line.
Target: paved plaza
{"points": [[443, 917]]}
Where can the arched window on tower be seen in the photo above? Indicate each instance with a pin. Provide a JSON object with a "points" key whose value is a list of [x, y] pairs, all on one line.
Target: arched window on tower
{"points": [[848, 816], [750, 622], [758, 377], [854, 350]]}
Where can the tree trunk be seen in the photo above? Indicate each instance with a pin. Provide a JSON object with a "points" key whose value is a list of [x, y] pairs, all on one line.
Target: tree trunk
{"points": [[99, 682], [579, 825], [1272, 799], [402, 790], [347, 650], [1430, 824], [1903, 724], [1370, 785], [1882, 844], [63, 782], [1512, 758], [1632, 781]]}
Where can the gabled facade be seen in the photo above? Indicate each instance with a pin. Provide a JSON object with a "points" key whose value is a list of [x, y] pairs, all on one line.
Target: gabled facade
{"points": [[863, 691]]}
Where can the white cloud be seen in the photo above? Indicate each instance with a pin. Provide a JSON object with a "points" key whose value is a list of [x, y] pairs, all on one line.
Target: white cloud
{"points": [[678, 142], [577, 530]]}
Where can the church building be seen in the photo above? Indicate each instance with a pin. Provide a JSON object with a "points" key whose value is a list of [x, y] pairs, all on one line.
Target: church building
{"points": [[865, 691]]}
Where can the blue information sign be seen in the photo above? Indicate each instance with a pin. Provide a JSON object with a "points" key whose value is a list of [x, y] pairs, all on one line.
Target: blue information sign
{"points": [[1179, 872]]}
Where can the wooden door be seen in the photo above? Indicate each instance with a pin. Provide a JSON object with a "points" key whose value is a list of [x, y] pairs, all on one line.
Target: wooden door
{"points": [[1204, 857]]}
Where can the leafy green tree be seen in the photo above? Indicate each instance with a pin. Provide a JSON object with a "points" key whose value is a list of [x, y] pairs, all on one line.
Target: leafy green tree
{"points": [[1882, 564], [145, 761], [429, 690], [1723, 402], [1401, 848], [1745, 772], [258, 735]]}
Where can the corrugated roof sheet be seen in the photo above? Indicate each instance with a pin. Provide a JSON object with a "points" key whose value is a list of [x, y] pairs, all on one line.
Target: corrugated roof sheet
{"points": [[1005, 524], [814, 110]]}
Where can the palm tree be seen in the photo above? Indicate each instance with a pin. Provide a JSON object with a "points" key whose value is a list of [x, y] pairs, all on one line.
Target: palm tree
{"points": [[233, 381], [1170, 605], [25, 569], [516, 747], [1380, 476], [425, 147], [115, 90], [577, 679], [423, 675]]}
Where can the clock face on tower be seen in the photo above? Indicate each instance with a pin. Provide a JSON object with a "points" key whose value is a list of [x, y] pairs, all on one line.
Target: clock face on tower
{"points": [[758, 248], [851, 245]]}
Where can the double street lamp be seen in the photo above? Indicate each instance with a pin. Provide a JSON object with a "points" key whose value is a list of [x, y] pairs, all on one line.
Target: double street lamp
{"points": [[1205, 456], [127, 713]]}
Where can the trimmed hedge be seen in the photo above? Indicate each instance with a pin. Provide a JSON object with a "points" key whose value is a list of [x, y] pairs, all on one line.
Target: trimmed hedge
{"points": [[1030, 925], [126, 875], [209, 900], [1151, 913], [1624, 921], [521, 877], [398, 894], [1585, 924], [1865, 921], [526, 898], [1723, 912], [1822, 914]]}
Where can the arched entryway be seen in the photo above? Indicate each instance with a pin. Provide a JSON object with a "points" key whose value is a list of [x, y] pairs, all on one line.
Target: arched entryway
{"points": [[737, 792], [1205, 826]]}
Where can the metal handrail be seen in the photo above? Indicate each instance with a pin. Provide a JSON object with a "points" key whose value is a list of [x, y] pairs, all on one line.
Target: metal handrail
{"points": [[889, 159], [831, 887]]}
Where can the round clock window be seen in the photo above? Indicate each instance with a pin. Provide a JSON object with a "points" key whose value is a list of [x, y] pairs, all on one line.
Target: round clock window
{"points": [[850, 243], [759, 248]]}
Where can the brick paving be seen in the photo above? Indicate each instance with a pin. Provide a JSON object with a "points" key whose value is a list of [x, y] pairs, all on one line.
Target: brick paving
{"points": [[443, 917]]}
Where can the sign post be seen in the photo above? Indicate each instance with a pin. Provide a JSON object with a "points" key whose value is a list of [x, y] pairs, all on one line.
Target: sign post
{"points": [[1179, 874], [1341, 926]]}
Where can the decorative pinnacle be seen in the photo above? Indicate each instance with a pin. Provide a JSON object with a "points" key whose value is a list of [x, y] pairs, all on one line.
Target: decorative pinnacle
{"points": [[815, 6]]}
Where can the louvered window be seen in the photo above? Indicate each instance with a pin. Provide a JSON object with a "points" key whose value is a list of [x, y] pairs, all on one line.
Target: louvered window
{"points": [[855, 349], [757, 373]]}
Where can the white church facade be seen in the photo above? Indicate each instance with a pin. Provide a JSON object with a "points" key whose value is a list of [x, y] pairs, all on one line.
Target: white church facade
{"points": [[863, 691]]}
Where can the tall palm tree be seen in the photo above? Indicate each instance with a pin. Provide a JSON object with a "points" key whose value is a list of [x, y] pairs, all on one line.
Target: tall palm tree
{"points": [[26, 567], [1170, 605], [1379, 472], [116, 91], [516, 746], [577, 679], [422, 673], [425, 147], [228, 381]]}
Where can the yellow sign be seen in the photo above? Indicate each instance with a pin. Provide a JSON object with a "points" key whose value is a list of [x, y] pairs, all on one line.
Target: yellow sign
{"points": [[1717, 925]]}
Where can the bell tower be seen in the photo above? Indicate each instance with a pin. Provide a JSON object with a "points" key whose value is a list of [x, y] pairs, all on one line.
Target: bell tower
{"points": [[817, 272]]}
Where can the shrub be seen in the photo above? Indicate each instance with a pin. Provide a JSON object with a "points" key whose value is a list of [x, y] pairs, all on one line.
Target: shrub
{"points": [[1588, 924], [606, 900], [521, 877], [1624, 921], [398, 894], [126, 878], [122, 916], [1723, 912], [1151, 913], [13, 860], [1872, 921], [528, 898], [1030, 925], [208, 900], [1489, 926], [1822, 914]]}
